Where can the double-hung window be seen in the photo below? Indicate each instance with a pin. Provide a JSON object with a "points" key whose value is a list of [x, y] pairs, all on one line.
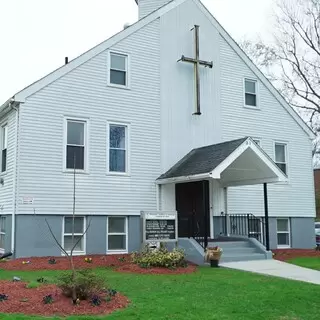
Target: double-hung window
{"points": [[118, 73], [280, 155], [118, 148], [283, 232], [2, 233], [77, 227], [250, 88], [76, 144], [117, 234], [4, 146]]}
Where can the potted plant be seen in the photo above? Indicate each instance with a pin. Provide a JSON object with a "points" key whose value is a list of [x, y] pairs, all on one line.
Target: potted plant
{"points": [[213, 255]]}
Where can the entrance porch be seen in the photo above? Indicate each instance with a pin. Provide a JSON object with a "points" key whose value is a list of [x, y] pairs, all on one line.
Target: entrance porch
{"points": [[200, 182]]}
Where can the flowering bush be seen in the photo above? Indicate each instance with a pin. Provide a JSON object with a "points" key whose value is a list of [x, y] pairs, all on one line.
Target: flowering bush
{"points": [[161, 257]]}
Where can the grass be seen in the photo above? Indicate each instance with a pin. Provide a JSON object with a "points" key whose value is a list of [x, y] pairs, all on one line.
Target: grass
{"points": [[215, 294], [307, 262]]}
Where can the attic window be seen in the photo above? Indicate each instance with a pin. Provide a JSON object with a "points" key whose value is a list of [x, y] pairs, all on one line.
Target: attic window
{"points": [[250, 88], [118, 69]]}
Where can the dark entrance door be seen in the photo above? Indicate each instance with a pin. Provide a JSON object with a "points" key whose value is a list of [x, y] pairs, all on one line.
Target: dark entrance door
{"points": [[192, 205]]}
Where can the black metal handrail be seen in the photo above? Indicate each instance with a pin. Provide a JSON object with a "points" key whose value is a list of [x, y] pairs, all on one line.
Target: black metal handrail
{"points": [[244, 225]]}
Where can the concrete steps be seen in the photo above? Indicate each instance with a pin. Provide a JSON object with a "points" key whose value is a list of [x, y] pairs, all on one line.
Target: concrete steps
{"points": [[241, 250], [238, 251]]}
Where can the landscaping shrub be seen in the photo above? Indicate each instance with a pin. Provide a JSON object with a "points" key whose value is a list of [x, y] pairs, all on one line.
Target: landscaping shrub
{"points": [[161, 257], [48, 299], [3, 297], [87, 284]]}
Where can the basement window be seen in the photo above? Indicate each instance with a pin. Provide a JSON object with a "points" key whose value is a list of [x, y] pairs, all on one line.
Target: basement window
{"points": [[283, 233]]}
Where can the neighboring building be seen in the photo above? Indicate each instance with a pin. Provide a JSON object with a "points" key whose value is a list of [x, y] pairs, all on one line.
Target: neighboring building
{"points": [[125, 113], [317, 190]]}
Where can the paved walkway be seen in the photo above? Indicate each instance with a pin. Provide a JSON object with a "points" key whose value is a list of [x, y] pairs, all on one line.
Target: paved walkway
{"points": [[276, 268]]}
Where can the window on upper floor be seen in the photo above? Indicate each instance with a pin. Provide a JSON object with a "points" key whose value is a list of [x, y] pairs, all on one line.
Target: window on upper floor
{"points": [[2, 233], [4, 146], [118, 74], [78, 229], [280, 156], [76, 149], [250, 88], [118, 145]]}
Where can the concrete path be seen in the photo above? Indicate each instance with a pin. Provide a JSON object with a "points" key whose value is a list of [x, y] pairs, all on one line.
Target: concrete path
{"points": [[277, 269]]}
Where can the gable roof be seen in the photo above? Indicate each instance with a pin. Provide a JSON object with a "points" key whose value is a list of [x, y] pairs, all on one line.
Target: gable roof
{"points": [[58, 73], [202, 160]]}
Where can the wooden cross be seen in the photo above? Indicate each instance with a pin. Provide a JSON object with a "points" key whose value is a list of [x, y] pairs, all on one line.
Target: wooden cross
{"points": [[197, 63]]}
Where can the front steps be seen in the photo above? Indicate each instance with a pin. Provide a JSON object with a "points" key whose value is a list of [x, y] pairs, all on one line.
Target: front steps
{"points": [[235, 249], [239, 251]]}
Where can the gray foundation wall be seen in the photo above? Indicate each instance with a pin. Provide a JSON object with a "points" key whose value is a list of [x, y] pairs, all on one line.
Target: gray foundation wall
{"points": [[302, 233], [34, 239]]}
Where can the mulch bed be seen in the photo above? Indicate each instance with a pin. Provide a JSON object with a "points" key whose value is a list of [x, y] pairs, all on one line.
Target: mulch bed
{"points": [[29, 301], [62, 263], [121, 263], [288, 254], [133, 268]]}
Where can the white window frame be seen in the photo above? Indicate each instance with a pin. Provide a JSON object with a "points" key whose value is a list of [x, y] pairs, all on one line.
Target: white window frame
{"points": [[285, 144], [126, 233], [284, 232], [86, 144], [79, 253], [3, 218], [257, 107], [128, 134], [4, 145], [127, 57]]}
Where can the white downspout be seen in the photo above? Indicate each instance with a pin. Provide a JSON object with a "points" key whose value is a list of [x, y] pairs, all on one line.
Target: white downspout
{"points": [[14, 188]]}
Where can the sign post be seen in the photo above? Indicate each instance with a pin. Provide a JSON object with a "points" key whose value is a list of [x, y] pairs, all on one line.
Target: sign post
{"points": [[159, 226]]}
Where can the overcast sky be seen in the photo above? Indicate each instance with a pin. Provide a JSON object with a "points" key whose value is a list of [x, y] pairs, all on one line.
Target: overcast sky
{"points": [[36, 35]]}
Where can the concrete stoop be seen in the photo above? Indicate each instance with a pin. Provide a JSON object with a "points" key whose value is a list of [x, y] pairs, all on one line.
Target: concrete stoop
{"points": [[236, 249]]}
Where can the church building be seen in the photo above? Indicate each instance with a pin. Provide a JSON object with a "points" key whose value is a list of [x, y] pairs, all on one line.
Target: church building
{"points": [[167, 115]]}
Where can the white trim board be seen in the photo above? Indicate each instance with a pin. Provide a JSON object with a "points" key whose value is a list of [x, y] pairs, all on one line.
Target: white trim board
{"points": [[58, 73]]}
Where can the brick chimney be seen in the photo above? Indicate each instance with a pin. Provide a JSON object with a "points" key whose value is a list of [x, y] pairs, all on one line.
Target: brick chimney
{"points": [[148, 6]]}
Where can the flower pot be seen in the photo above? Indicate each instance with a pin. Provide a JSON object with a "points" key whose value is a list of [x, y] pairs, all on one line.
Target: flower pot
{"points": [[214, 263]]}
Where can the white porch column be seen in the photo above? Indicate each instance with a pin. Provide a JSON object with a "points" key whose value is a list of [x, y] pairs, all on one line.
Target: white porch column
{"points": [[227, 223]]}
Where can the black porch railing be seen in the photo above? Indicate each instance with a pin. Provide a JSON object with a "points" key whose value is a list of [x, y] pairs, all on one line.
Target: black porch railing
{"points": [[246, 225]]}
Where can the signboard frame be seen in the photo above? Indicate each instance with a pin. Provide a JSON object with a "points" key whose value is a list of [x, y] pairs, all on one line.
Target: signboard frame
{"points": [[158, 215]]}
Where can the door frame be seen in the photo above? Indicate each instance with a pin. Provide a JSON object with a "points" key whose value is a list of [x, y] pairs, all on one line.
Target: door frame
{"points": [[210, 203]]}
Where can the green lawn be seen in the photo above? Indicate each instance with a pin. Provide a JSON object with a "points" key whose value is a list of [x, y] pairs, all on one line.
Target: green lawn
{"points": [[208, 294], [308, 262]]}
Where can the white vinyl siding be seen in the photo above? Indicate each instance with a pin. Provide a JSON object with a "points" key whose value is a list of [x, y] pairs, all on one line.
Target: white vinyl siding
{"points": [[78, 237], [271, 123], [117, 234], [250, 96], [2, 233], [75, 144], [118, 69], [280, 156], [118, 148], [82, 94], [4, 147], [283, 233]]}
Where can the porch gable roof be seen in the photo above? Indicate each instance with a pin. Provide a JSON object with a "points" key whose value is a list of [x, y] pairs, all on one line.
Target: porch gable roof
{"points": [[216, 161]]}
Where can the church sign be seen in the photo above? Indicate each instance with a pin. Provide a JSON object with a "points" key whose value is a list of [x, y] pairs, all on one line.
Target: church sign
{"points": [[160, 226]]}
